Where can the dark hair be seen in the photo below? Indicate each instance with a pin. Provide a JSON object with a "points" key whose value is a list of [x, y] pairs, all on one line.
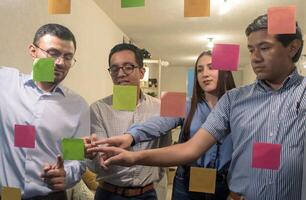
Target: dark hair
{"points": [[225, 82], [130, 47], [57, 30], [261, 23]]}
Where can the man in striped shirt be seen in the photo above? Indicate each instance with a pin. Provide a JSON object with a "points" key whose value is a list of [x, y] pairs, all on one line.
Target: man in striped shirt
{"points": [[266, 120]]}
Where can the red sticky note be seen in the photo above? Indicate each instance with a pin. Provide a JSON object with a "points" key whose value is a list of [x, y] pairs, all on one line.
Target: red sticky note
{"points": [[266, 156], [282, 20], [173, 104], [24, 136], [225, 57]]}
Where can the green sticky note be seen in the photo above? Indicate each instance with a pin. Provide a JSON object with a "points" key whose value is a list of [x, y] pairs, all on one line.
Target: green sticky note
{"points": [[43, 70], [73, 149], [10, 193], [132, 3], [124, 97]]}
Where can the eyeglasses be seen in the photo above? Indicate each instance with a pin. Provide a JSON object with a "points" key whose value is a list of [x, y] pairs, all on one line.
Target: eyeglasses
{"points": [[127, 68], [69, 60]]}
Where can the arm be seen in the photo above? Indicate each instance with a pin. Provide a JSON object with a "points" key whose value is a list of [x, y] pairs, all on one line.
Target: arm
{"points": [[169, 156], [154, 128]]}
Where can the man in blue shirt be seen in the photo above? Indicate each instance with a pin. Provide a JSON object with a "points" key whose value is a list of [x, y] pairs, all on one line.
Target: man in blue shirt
{"points": [[266, 121], [52, 110]]}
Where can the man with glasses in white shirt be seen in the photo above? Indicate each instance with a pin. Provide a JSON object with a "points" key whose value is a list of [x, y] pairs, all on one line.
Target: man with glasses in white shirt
{"points": [[52, 110], [137, 182]]}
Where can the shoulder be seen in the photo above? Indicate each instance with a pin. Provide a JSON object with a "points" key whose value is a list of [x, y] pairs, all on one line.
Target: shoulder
{"points": [[105, 102], [241, 91], [152, 100], [75, 98]]}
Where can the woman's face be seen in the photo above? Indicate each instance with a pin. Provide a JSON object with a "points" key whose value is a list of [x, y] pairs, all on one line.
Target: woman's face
{"points": [[207, 77]]}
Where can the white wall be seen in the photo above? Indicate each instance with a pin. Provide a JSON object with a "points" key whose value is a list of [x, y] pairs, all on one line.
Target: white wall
{"points": [[96, 34]]}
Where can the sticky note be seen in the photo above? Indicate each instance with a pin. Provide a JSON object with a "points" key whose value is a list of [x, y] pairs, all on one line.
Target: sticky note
{"points": [[10, 193], [24, 136], [196, 8], [266, 156], [43, 70], [190, 80], [173, 104], [225, 57], [202, 180], [59, 6], [132, 3], [282, 20], [73, 149], [124, 97]]}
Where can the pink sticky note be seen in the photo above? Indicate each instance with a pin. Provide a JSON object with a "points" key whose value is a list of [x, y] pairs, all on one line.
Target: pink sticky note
{"points": [[173, 104], [281, 20], [266, 156], [24, 136], [225, 57]]}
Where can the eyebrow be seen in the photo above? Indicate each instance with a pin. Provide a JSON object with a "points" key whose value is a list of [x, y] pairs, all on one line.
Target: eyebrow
{"points": [[259, 44]]}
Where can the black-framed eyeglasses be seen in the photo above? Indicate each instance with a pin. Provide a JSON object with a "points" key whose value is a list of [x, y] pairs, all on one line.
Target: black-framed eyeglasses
{"points": [[127, 68], [69, 60]]}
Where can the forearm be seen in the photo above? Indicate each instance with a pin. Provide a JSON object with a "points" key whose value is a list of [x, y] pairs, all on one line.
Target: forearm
{"points": [[177, 154], [153, 128]]}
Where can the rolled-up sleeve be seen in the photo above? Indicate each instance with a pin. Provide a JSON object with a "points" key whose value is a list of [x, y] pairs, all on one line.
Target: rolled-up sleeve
{"points": [[217, 123]]}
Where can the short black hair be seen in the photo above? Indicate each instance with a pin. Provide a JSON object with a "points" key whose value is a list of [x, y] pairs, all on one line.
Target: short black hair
{"points": [[57, 30], [261, 23], [130, 47]]}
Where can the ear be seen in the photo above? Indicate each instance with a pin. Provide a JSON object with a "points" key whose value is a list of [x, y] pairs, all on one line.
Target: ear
{"points": [[142, 71], [33, 51], [294, 47]]}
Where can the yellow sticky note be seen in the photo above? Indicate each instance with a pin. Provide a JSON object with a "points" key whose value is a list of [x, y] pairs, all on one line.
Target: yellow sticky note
{"points": [[9, 193], [202, 180], [59, 6], [196, 8]]}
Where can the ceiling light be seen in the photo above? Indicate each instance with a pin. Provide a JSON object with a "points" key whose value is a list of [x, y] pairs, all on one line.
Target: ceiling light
{"points": [[210, 44], [224, 8]]}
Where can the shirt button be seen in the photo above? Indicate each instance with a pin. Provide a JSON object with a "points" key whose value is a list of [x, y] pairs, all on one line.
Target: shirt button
{"points": [[28, 181], [29, 158], [271, 134]]}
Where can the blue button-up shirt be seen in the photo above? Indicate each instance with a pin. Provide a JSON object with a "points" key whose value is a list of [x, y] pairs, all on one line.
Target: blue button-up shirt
{"points": [[257, 113], [54, 115], [157, 126]]}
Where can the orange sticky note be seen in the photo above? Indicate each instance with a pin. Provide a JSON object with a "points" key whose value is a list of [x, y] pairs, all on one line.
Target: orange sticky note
{"points": [[173, 104], [196, 8], [282, 20], [10, 193], [202, 180], [59, 6]]}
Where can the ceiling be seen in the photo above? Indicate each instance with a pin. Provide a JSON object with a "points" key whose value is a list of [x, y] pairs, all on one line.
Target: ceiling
{"points": [[161, 28]]}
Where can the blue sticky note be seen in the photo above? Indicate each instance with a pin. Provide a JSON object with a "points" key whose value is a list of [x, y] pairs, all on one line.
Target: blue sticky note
{"points": [[190, 79]]}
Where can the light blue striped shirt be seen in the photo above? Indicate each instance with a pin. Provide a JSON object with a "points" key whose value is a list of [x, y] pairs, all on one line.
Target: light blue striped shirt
{"points": [[256, 113], [54, 115]]}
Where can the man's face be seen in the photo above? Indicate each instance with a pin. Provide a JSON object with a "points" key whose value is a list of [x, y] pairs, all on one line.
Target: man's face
{"points": [[125, 58], [52, 46], [271, 61]]}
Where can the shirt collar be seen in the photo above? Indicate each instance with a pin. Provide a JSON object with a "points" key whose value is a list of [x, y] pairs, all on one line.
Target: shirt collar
{"points": [[291, 80], [28, 81]]}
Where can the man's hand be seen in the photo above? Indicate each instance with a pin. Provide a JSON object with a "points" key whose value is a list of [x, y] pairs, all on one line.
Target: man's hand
{"points": [[123, 141], [89, 143], [55, 175]]}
